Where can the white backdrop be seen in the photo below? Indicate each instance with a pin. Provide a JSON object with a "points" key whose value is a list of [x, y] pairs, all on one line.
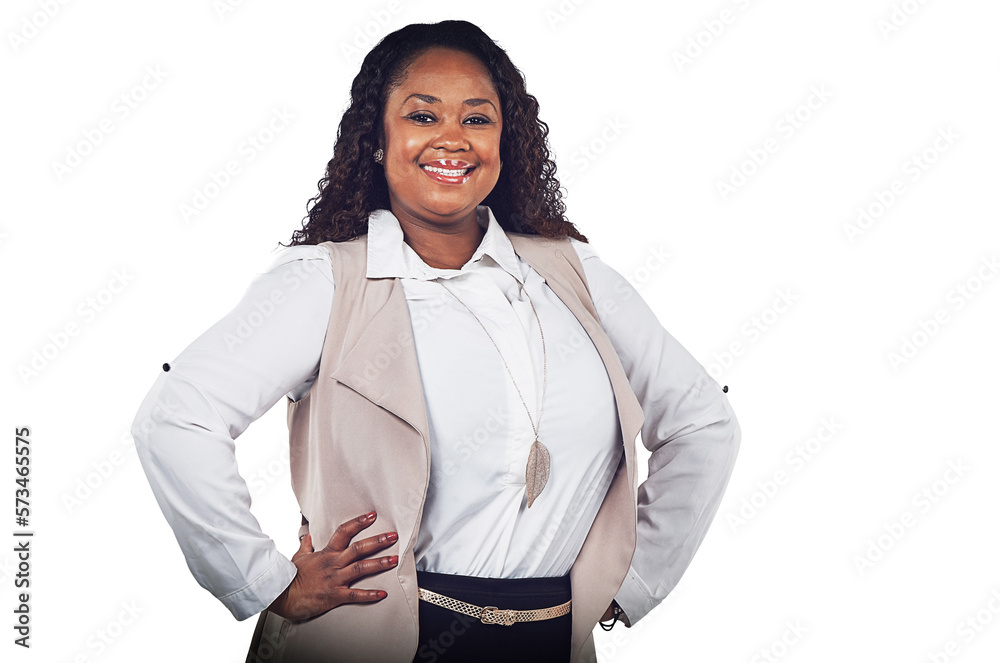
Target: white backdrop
{"points": [[805, 193]]}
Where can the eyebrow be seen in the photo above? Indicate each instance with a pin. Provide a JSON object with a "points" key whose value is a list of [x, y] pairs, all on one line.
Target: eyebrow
{"points": [[430, 99]]}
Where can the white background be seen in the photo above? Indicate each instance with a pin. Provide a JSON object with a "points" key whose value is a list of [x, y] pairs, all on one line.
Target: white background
{"points": [[643, 140]]}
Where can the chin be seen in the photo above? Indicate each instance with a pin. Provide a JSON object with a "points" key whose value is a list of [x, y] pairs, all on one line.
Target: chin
{"points": [[444, 210]]}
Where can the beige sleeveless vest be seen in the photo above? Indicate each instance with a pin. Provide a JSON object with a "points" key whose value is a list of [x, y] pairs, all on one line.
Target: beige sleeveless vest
{"points": [[359, 441]]}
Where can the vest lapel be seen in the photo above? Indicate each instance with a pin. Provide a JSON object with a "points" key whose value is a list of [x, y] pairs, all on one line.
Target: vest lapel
{"points": [[382, 365]]}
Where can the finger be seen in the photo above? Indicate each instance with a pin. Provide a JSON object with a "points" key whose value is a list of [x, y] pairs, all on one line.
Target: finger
{"points": [[365, 567], [366, 548], [346, 531], [305, 547], [356, 595]]}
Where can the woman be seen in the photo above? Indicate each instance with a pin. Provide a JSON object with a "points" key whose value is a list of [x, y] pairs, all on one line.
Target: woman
{"points": [[433, 307]]}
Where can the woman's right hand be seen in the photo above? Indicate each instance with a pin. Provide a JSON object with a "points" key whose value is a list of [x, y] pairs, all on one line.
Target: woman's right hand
{"points": [[324, 577]]}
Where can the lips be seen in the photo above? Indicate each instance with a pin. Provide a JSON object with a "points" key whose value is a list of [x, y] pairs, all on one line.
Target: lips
{"points": [[450, 171]]}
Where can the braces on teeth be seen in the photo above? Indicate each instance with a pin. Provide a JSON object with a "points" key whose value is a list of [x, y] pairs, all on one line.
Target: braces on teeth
{"points": [[456, 172]]}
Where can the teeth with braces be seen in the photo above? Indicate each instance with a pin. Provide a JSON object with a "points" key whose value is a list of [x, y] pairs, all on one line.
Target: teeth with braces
{"points": [[447, 171]]}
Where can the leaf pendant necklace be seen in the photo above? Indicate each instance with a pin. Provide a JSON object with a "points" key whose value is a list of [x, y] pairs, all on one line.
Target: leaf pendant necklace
{"points": [[536, 473]]}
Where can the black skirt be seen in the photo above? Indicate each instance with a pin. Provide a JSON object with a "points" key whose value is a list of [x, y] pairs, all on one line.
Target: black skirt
{"points": [[447, 636]]}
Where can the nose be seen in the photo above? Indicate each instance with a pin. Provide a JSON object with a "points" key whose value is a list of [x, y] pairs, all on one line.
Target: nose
{"points": [[451, 137]]}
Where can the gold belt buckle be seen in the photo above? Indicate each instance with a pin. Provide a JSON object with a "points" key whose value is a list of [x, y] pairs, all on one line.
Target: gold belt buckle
{"points": [[494, 615]]}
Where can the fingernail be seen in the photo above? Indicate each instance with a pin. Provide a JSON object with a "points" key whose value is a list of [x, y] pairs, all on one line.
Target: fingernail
{"points": [[391, 536], [370, 516], [382, 594], [394, 559]]}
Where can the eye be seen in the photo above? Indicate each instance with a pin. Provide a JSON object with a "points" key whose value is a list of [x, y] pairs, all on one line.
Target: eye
{"points": [[479, 119], [419, 117]]}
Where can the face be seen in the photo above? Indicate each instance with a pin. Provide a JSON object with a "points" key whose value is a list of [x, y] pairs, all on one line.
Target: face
{"points": [[442, 139]]}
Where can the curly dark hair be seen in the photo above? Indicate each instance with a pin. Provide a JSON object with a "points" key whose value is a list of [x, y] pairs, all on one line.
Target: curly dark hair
{"points": [[527, 197]]}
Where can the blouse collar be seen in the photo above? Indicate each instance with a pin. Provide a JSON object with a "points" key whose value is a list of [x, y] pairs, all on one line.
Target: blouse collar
{"points": [[389, 256]]}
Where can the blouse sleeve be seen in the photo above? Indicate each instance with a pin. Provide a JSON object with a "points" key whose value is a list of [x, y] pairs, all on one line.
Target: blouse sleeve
{"points": [[689, 427], [268, 346]]}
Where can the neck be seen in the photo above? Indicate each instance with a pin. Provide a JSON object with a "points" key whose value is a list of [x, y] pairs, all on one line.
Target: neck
{"points": [[444, 246]]}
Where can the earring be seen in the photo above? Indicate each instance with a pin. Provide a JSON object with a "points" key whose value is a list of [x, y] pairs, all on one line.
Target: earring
{"points": [[379, 154]]}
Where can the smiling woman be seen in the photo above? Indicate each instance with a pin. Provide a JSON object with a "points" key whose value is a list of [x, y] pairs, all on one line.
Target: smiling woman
{"points": [[434, 305], [525, 195], [442, 153]]}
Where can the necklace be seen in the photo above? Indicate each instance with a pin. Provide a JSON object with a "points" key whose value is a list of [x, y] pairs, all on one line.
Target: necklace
{"points": [[536, 473]]}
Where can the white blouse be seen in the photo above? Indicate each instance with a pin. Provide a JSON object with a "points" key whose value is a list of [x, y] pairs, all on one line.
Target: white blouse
{"points": [[475, 520]]}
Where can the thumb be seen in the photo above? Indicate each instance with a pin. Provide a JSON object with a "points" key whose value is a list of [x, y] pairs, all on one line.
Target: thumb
{"points": [[305, 545]]}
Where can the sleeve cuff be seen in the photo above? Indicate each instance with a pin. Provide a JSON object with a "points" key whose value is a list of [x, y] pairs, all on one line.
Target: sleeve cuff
{"points": [[633, 598], [260, 593]]}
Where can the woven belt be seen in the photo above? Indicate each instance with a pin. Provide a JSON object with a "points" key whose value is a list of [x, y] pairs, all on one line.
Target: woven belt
{"points": [[492, 614]]}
